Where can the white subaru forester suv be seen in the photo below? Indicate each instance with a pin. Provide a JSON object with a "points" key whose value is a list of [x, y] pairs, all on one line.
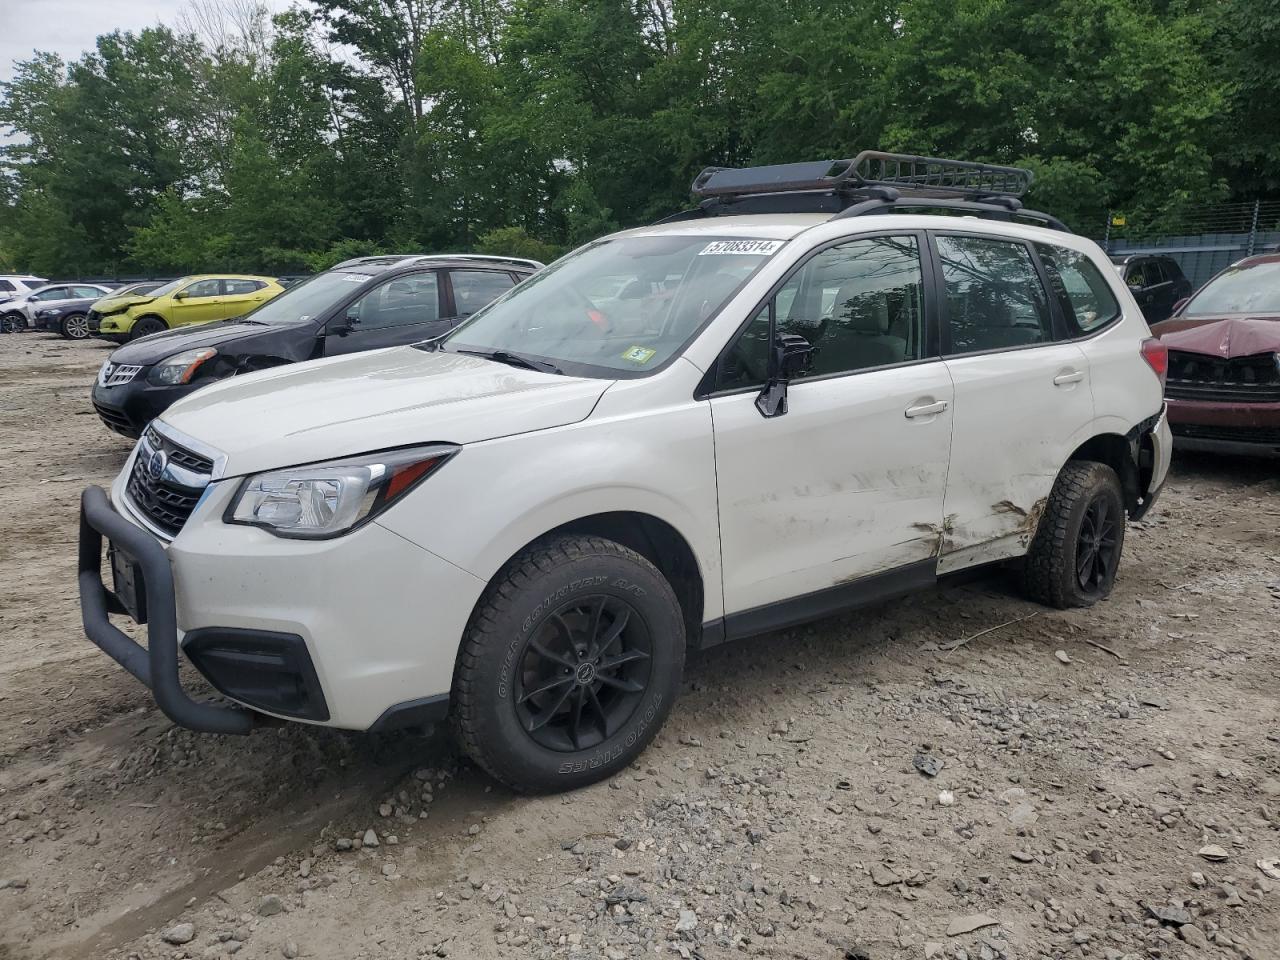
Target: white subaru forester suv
{"points": [[819, 389]]}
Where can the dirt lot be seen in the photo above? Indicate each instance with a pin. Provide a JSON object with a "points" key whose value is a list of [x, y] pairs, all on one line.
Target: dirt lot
{"points": [[1109, 779]]}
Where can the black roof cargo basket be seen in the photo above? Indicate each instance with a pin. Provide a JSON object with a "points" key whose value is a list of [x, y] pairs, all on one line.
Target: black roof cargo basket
{"points": [[872, 182]]}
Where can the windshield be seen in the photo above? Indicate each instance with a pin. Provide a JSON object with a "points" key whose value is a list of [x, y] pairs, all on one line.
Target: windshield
{"points": [[136, 289], [1252, 289], [166, 289], [618, 307], [309, 298]]}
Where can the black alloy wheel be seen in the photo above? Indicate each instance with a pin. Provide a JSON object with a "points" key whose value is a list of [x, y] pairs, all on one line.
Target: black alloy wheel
{"points": [[1097, 552], [583, 673], [1074, 556], [569, 665]]}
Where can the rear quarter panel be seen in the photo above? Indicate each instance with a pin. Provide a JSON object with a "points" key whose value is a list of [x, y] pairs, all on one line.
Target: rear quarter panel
{"points": [[1126, 390]]}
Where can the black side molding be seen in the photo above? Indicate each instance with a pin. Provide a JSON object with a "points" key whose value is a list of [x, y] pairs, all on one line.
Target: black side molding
{"points": [[156, 666], [412, 713], [862, 592]]}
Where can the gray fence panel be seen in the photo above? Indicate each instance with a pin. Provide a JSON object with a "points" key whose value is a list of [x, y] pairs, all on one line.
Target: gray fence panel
{"points": [[1200, 255]]}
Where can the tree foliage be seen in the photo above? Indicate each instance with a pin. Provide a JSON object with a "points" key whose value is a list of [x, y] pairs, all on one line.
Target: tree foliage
{"points": [[530, 126]]}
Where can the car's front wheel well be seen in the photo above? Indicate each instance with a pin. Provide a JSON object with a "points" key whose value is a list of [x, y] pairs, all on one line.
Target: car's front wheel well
{"points": [[659, 543], [1117, 453]]}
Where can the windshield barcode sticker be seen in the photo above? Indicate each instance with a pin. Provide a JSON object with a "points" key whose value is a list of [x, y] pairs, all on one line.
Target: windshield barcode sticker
{"points": [[753, 248]]}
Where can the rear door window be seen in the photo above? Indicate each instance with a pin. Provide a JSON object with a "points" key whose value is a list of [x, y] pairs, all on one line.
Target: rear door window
{"points": [[994, 297], [472, 289], [1081, 289], [242, 287], [1154, 273]]}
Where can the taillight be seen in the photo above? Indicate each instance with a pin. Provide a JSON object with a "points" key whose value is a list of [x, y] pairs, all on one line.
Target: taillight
{"points": [[1157, 356]]}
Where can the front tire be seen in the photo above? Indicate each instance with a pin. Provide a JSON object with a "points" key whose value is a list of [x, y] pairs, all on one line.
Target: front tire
{"points": [[1076, 551], [146, 326], [13, 322], [569, 666], [75, 327]]}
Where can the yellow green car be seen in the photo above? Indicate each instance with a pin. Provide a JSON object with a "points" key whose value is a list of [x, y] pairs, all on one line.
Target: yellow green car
{"points": [[202, 298]]}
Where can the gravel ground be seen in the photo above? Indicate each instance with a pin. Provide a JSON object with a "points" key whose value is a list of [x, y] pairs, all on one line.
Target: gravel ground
{"points": [[960, 775]]}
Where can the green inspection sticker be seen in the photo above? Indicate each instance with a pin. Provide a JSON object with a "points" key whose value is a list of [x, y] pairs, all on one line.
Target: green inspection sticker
{"points": [[638, 354]]}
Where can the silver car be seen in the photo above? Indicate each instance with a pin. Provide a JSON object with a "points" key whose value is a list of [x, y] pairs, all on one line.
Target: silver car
{"points": [[20, 312]]}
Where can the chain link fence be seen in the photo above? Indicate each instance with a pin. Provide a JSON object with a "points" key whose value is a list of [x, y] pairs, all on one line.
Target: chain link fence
{"points": [[1202, 239]]}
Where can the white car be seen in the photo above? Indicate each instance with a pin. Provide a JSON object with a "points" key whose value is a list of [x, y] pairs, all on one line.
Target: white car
{"points": [[16, 284], [526, 523], [20, 312]]}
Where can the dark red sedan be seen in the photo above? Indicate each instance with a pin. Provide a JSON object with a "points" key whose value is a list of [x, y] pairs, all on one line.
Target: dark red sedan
{"points": [[1223, 386]]}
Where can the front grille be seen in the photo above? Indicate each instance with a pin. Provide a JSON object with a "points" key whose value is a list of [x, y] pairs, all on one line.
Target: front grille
{"points": [[114, 374], [166, 481], [1266, 436], [1196, 376], [114, 419]]}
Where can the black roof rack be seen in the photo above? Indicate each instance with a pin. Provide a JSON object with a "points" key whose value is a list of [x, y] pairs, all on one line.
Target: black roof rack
{"points": [[872, 182]]}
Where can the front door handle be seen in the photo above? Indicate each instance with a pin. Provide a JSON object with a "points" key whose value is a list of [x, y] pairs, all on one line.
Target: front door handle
{"points": [[926, 410], [1071, 376]]}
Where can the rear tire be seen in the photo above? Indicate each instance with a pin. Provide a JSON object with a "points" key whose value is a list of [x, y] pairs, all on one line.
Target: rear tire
{"points": [[569, 666], [75, 327], [146, 326], [1076, 550]]}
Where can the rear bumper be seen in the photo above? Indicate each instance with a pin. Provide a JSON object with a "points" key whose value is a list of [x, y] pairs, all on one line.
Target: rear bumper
{"points": [[1251, 429], [1152, 443]]}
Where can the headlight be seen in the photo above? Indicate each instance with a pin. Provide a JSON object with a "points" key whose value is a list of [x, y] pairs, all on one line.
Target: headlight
{"points": [[322, 500], [181, 367]]}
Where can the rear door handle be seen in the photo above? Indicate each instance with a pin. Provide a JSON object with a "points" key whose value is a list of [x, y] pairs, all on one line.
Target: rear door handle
{"points": [[926, 410], [1062, 379]]}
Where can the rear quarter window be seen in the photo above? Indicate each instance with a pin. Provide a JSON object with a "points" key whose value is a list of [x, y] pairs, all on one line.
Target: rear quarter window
{"points": [[1081, 290]]}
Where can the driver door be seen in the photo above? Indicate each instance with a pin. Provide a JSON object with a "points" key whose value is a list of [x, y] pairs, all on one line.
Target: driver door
{"points": [[406, 309], [840, 497]]}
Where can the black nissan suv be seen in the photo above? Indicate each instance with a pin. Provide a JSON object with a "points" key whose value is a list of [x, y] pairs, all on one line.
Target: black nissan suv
{"points": [[362, 304]]}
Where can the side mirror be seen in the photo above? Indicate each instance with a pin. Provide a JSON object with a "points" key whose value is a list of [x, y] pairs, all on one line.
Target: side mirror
{"points": [[181, 295], [1178, 306], [790, 357]]}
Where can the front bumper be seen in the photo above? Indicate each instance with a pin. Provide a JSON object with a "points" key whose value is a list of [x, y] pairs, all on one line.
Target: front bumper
{"points": [[156, 666], [1248, 429], [127, 408], [359, 632]]}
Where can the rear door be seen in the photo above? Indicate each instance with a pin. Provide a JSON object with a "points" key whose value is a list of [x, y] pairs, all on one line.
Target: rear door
{"points": [[849, 482], [1022, 395], [241, 296], [405, 309]]}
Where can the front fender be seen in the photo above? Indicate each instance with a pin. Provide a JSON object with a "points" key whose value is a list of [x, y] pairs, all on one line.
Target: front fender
{"points": [[498, 496]]}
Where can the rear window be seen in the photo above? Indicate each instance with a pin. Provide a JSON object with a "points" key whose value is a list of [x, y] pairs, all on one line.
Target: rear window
{"points": [[1081, 289]]}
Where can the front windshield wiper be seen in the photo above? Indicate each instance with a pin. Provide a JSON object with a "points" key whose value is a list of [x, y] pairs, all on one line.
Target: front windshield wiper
{"points": [[514, 360]]}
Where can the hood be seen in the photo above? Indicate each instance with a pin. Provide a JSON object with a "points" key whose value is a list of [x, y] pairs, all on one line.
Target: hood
{"points": [[154, 348], [62, 306], [114, 304], [372, 401], [1220, 337]]}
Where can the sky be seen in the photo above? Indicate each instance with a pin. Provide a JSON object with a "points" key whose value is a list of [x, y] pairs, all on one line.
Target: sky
{"points": [[70, 27]]}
